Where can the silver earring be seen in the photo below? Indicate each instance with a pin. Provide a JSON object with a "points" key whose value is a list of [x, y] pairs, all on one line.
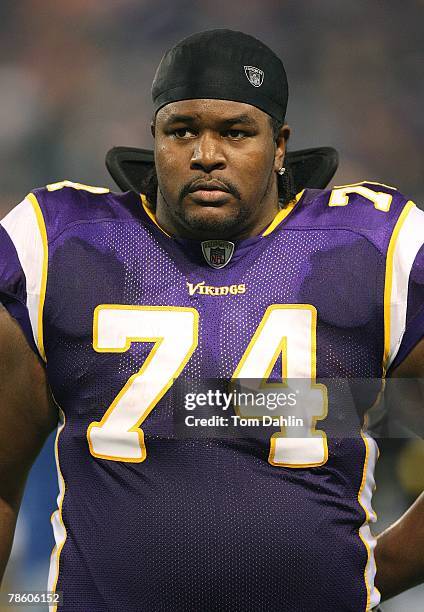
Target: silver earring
{"points": [[281, 171]]}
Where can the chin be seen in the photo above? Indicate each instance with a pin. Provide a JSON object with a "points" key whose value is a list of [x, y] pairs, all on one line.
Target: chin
{"points": [[213, 222]]}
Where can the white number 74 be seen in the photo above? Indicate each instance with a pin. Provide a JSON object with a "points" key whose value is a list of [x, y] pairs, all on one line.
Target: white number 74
{"points": [[286, 330]]}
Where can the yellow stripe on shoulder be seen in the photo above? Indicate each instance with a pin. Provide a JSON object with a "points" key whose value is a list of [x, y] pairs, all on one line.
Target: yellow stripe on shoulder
{"points": [[365, 182], [405, 242], [44, 267], [151, 214], [282, 214], [90, 188]]}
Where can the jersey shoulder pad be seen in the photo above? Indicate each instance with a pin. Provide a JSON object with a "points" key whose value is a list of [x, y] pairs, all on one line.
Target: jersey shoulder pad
{"points": [[27, 231], [366, 207], [404, 286], [66, 202], [379, 195], [23, 267]]}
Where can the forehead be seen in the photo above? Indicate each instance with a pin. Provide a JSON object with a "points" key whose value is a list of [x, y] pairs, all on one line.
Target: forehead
{"points": [[205, 110]]}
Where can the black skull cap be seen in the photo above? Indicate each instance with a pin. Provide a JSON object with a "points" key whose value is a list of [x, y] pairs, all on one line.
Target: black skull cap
{"points": [[222, 65]]}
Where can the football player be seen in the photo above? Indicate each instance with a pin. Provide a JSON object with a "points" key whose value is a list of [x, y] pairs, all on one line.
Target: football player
{"points": [[114, 304]]}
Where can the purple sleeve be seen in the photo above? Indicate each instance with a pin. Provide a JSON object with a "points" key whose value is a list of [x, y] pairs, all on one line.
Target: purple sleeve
{"points": [[13, 286], [414, 329]]}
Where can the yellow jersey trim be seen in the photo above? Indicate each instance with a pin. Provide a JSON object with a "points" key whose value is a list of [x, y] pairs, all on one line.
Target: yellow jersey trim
{"points": [[66, 183], [282, 214], [279, 218], [43, 233], [57, 549], [151, 215], [365, 183], [389, 280], [367, 519]]}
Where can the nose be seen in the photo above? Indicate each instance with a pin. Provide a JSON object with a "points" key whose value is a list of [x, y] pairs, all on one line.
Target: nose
{"points": [[207, 154]]}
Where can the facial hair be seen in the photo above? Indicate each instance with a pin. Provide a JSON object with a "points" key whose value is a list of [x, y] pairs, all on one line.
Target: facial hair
{"points": [[227, 227]]}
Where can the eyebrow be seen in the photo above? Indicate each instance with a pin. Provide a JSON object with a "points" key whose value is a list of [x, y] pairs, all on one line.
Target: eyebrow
{"points": [[242, 119]]}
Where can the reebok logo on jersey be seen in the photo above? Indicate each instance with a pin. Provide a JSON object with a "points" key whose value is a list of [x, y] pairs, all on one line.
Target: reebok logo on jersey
{"points": [[204, 289]]}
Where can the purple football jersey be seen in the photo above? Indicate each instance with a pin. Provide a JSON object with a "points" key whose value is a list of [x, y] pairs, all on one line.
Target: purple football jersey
{"points": [[153, 515]]}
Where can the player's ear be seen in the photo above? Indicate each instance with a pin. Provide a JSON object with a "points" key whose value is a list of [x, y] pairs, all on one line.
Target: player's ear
{"points": [[153, 127], [281, 143]]}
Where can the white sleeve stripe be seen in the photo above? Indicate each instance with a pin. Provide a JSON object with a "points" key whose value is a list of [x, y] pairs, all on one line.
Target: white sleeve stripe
{"points": [[25, 226], [59, 529], [369, 540], [407, 239]]}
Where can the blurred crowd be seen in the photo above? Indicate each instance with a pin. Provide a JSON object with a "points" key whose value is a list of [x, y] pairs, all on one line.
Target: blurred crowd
{"points": [[75, 80]]}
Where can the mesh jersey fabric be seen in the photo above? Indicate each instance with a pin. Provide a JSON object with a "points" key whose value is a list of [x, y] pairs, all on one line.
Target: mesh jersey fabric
{"points": [[210, 523]]}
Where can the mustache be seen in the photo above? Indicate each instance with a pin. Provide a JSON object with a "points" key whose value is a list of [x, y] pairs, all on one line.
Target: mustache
{"points": [[232, 189]]}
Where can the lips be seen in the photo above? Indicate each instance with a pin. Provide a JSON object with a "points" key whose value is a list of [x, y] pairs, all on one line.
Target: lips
{"points": [[210, 192], [213, 185]]}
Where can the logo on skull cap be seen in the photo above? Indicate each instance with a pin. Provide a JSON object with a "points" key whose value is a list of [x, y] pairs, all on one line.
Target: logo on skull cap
{"points": [[255, 75]]}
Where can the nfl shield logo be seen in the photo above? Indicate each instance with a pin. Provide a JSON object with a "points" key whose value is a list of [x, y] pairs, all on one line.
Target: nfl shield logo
{"points": [[217, 256], [217, 252], [255, 75]]}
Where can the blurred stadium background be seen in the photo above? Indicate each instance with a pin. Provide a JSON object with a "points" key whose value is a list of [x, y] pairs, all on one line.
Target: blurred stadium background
{"points": [[75, 80]]}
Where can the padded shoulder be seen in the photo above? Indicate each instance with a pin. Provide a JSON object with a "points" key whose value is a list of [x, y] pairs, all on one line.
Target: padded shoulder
{"points": [[369, 208], [66, 202], [381, 197]]}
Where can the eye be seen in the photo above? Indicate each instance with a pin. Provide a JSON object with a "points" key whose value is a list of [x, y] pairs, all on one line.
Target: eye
{"points": [[183, 133], [236, 134]]}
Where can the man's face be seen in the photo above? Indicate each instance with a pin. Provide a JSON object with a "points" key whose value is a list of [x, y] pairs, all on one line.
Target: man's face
{"points": [[216, 163]]}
